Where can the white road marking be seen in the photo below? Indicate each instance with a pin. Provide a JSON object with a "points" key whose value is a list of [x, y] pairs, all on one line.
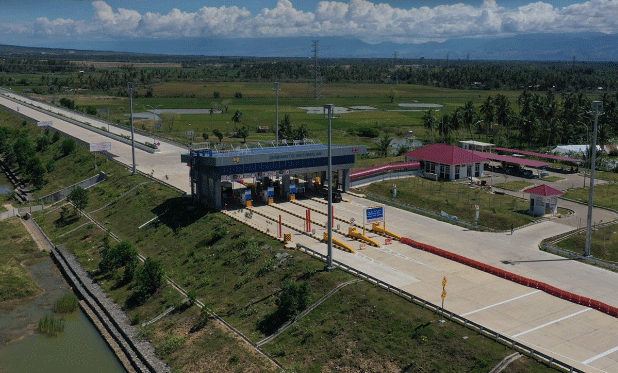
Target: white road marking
{"points": [[551, 322], [600, 356], [394, 253], [497, 304]]}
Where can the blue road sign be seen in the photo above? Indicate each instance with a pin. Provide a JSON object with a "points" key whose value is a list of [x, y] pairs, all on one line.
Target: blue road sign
{"points": [[374, 214]]}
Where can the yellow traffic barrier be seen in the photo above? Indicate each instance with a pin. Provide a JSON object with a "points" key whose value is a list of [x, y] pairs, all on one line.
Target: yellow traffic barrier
{"points": [[287, 237], [357, 235], [292, 197], [249, 203], [271, 201], [341, 245], [377, 228]]}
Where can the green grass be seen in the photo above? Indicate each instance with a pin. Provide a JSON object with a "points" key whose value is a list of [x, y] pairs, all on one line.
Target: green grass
{"points": [[51, 325], [604, 175], [604, 195], [552, 178], [370, 162], [603, 243], [514, 185], [496, 211], [16, 246]]}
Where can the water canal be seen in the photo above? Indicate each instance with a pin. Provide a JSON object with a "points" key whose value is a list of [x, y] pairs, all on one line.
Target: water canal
{"points": [[80, 348]]}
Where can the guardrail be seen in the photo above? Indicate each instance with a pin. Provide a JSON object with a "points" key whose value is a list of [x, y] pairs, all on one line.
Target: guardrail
{"points": [[79, 124], [531, 352]]}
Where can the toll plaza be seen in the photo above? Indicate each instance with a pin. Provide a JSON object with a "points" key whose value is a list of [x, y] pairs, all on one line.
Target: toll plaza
{"points": [[247, 176]]}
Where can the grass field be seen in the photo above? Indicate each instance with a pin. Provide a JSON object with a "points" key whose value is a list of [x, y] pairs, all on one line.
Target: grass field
{"points": [[16, 249], [604, 195], [239, 272], [552, 179], [514, 185], [496, 211], [258, 108], [603, 243]]}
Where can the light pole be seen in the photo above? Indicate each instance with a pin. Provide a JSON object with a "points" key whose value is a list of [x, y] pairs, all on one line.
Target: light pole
{"points": [[476, 124], [130, 88], [597, 106], [277, 113], [329, 226], [154, 128]]}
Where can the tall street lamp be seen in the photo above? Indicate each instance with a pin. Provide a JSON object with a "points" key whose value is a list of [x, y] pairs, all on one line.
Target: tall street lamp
{"points": [[154, 124], [597, 106], [130, 89], [329, 225]]}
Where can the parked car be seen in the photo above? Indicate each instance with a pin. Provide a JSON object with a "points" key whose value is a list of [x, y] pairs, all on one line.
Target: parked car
{"points": [[527, 174]]}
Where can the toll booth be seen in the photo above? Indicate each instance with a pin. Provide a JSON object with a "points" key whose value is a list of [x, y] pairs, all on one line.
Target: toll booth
{"points": [[266, 173]]}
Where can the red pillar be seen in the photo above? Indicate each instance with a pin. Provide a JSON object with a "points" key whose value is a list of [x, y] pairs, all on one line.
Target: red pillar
{"points": [[280, 226], [308, 220]]}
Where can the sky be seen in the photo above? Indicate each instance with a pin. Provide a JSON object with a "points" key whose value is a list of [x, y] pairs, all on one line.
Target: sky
{"points": [[37, 22]]}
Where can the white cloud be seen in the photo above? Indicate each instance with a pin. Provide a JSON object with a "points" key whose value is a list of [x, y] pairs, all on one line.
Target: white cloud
{"points": [[371, 22]]}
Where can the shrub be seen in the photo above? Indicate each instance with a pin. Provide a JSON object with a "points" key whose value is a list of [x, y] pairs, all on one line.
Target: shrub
{"points": [[216, 94], [67, 304], [368, 132], [170, 344], [50, 325], [67, 147], [293, 298], [238, 94]]}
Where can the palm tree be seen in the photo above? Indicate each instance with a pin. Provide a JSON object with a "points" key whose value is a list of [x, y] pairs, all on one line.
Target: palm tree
{"points": [[469, 115], [429, 122], [487, 109], [384, 146]]}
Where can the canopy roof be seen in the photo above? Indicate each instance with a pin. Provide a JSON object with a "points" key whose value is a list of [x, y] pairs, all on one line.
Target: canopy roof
{"points": [[446, 154], [515, 160], [544, 190], [540, 155]]}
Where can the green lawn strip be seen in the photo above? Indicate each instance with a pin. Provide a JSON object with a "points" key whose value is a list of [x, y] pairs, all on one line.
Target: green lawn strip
{"points": [[552, 179], [603, 243], [496, 211], [604, 195], [604, 175], [365, 328], [362, 163], [16, 246], [514, 185]]}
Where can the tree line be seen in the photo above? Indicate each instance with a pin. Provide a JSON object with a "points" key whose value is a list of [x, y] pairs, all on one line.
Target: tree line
{"points": [[541, 120]]}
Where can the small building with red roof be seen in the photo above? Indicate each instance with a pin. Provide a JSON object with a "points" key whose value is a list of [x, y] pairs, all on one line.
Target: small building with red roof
{"points": [[543, 199], [447, 162]]}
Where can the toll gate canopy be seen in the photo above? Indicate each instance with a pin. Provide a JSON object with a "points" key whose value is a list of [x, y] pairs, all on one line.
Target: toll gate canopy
{"points": [[513, 160], [540, 155], [210, 168]]}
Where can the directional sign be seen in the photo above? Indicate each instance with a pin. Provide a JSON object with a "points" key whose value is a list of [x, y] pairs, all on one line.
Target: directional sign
{"points": [[444, 282], [374, 214], [443, 294], [100, 146], [48, 123]]}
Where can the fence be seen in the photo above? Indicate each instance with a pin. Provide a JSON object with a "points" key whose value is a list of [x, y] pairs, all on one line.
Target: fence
{"points": [[20, 211], [532, 353], [388, 175], [63, 193]]}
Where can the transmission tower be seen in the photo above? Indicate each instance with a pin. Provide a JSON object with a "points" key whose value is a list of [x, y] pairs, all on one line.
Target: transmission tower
{"points": [[317, 79], [395, 68]]}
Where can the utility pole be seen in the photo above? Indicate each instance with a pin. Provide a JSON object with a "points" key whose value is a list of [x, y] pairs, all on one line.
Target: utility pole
{"points": [[395, 68], [277, 113], [329, 225], [316, 70], [597, 106], [130, 88]]}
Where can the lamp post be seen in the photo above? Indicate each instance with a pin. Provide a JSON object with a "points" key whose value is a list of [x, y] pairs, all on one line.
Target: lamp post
{"points": [[154, 128], [329, 226], [597, 106], [277, 113], [130, 89]]}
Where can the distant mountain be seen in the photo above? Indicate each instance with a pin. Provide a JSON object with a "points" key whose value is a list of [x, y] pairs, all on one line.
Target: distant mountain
{"points": [[584, 46]]}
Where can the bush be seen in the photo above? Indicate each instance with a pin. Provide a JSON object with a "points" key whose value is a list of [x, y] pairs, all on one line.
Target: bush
{"points": [[368, 132], [238, 94], [149, 278], [170, 344], [67, 147], [216, 94], [293, 298], [67, 304], [50, 325]]}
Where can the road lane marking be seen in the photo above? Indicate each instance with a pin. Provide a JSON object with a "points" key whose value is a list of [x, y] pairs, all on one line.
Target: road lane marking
{"points": [[551, 322], [503, 302], [600, 356]]}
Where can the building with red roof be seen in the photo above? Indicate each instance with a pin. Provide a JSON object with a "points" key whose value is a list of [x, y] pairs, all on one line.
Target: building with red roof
{"points": [[543, 199], [448, 162]]}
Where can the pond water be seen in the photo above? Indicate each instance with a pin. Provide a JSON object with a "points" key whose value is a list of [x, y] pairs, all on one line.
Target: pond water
{"points": [[5, 184], [80, 348]]}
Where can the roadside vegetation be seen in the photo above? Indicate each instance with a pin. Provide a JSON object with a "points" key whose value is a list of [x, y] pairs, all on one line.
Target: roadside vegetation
{"points": [[16, 249], [514, 185]]}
